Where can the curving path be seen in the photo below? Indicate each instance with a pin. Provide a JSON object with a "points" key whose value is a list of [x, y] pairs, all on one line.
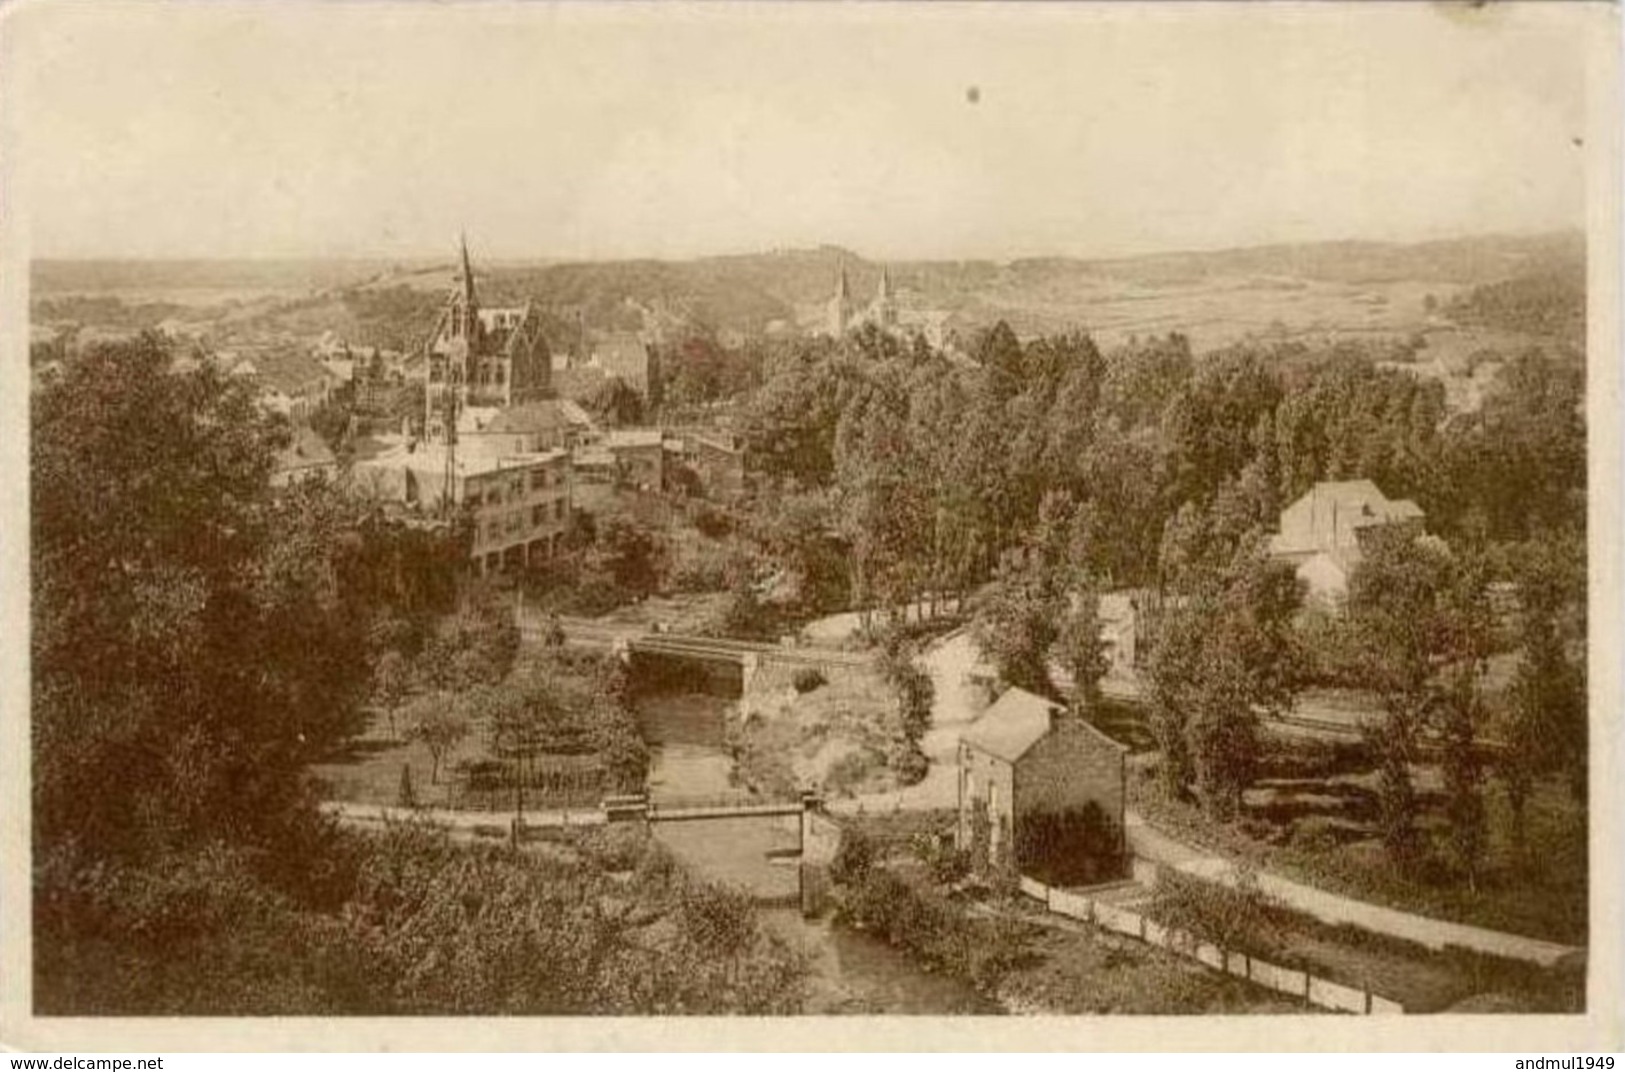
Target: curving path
{"points": [[1149, 843]]}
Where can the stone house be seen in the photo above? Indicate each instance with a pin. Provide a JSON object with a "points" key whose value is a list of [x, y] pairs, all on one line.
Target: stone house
{"points": [[1026, 757]]}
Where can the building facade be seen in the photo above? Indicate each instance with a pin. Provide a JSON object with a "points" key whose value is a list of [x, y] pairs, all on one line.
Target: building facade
{"points": [[518, 505], [1025, 757], [482, 356], [1324, 534]]}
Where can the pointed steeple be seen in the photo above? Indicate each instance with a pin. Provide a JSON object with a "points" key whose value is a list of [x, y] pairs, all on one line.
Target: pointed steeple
{"points": [[468, 271], [885, 284], [840, 306]]}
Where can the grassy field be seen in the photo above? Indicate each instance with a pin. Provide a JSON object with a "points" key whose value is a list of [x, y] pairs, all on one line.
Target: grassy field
{"points": [[368, 769]]}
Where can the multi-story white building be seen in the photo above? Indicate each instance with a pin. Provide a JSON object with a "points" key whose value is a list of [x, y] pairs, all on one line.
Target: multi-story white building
{"points": [[519, 504]]}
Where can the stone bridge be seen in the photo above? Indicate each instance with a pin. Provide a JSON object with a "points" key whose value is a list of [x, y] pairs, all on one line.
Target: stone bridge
{"points": [[725, 659]]}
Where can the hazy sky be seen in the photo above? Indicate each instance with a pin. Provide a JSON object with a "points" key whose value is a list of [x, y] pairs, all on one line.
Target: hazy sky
{"points": [[567, 131]]}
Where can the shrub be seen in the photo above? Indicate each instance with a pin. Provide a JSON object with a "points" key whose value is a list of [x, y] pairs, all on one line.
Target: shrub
{"points": [[935, 929], [713, 523], [808, 678], [946, 862], [909, 763], [853, 858], [1232, 917]]}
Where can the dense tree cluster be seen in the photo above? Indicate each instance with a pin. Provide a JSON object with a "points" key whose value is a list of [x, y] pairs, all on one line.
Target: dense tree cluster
{"points": [[409, 924], [199, 639], [196, 639], [1039, 474]]}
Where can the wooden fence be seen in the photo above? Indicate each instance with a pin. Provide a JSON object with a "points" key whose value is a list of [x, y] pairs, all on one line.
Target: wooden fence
{"points": [[1125, 921]]}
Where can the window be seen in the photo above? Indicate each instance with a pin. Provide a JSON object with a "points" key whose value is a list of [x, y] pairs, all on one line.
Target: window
{"points": [[538, 514], [558, 509]]}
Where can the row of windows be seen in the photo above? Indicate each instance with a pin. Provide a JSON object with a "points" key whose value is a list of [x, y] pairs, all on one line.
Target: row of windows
{"points": [[512, 489], [496, 529]]}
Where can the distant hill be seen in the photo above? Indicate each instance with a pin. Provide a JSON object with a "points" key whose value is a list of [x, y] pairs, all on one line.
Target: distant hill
{"points": [[54, 276], [1218, 296]]}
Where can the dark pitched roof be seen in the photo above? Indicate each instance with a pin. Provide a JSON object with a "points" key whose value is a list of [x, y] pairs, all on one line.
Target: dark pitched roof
{"points": [[1016, 721], [530, 417]]}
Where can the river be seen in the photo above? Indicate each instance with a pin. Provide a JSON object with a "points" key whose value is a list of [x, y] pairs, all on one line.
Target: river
{"points": [[851, 972]]}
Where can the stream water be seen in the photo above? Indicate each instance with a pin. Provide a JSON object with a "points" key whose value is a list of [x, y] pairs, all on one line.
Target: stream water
{"points": [[851, 972]]}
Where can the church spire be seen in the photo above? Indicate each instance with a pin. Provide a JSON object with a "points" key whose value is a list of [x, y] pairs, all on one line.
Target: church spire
{"points": [[468, 271]]}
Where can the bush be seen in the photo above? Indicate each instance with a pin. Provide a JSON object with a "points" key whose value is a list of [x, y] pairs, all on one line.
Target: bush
{"points": [[713, 523], [853, 858], [946, 862], [909, 763], [1230, 917], [938, 931], [808, 678]]}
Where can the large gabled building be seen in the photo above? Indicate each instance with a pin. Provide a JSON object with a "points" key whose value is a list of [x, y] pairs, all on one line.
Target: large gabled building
{"points": [[1325, 533], [482, 356]]}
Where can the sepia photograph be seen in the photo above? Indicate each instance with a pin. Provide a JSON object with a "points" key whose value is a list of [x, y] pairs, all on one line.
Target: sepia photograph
{"points": [[583, 513]]}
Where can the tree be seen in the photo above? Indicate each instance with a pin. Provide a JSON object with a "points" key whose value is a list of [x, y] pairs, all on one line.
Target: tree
{"points": [[616, 402], [391, 682], [1014, 624], [916, 694], [1546, 729], [1082, 650], [1224, 652], [441, 722], [1418, 617], [192, 637], [1017, 618], [631, 554], [1463, 774]]}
